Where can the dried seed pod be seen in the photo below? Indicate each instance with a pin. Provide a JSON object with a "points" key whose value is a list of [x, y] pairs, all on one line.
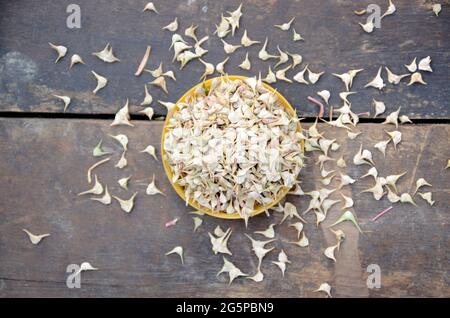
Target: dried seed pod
{"points": [[122, 163], [380, 107], [161, 83], [168, 105], [246, 65], [220, 68], [197, 222], [325, 288], [269, 232], [328, 204], [152, 189], [416, 78], [391, 180], [281, 266], [296, 59], [178, 48], [75, 59], [148, 111], [368, 26], [283, 57], [406, 198], [299, 227], [296, 36], [98, 151], [412, 67], [341, 162], [150, 149], [95, 165], [376, 190], [150, 7], [281, 74], [396, 137], [436, 7], [122, 117], [290, 211], [234, 19], [314, 77], [263, 54], [377, 81], [258, 277], [229, 48], [85, 266], [96, 189], [303, 242], [405, 119], [285, 26], [372, 172], [101, 82], [427, 196], [231, 269], [148, 99], [123, 182], [390, 10], [381, 146], [325, 94], [392, 118], [209, 69], [126, 205], [157, 72], [392, 196], [105, 199], [186, 57], [60, 49], [219, 243], [300, 76], [35, 239], [270, 77], [348, 202], [66, 100], [258, 247], [106, 55], [170, 74], [122, 139], [329, 252], [347, 216], [421, 182], [394, 78], [363, 157], [177, 250], [353, 135], [190, 32], [246, 41], [346, 180], [172, 26], [223, 28]]}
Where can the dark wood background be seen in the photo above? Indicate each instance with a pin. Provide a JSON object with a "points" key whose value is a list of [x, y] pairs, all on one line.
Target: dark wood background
{"points": [[44, 160]]}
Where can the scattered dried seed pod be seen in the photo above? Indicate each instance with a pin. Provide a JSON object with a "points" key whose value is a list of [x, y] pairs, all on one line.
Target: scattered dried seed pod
{"points": [[209, 69], [390, 10], [122, 117], [325, 288], [285, 26], [394, 78], [150, 7], [325, 94], [60, 49], [197, 222], [122, 163], [377, 81], [126, 205], [269, 232], [122, 139], [220, 68], [161, 83], [427, 196], [263, 54], [314, 77], [66, 100], [35, 239], [347, 216], [106, 55], [412, 67], [177, 250], [281, 74], [172, 26], [416, 78], [246, 41], [231, 269], [105, 199], [329, 252], [98, 151], [300, 76], [229, 48], [75, 59], [406, 198], [101, 82], [123, 182], [270, 77], [303, 242], [368, 26], [219, 243], [152, 189], [436, 7], [96, 189], [380, 107], [296, 36], [148, 99], [151, 150], [246, 65], [85, 266]]}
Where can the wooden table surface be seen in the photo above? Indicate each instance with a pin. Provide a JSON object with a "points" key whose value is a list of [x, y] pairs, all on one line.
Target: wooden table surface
{"points": [[45, 153]]}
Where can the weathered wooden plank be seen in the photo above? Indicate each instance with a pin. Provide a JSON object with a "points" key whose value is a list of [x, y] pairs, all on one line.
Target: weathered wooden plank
{"points": [[44, 165], [334, 43]]}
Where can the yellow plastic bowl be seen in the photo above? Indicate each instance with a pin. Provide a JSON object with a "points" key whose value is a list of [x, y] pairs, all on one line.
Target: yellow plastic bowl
{"points": [[179, 189]]}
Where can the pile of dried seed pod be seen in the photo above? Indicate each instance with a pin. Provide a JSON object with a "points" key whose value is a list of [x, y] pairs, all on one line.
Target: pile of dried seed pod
{"points": [[239, 118], [233, 146]]}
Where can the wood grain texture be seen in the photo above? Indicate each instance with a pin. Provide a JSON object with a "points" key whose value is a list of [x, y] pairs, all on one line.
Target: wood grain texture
{"points": [[44, 165], [334, 43]]}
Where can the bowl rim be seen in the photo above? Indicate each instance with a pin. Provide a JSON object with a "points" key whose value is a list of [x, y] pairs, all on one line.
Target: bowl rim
{"points": [[179, 189]]}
